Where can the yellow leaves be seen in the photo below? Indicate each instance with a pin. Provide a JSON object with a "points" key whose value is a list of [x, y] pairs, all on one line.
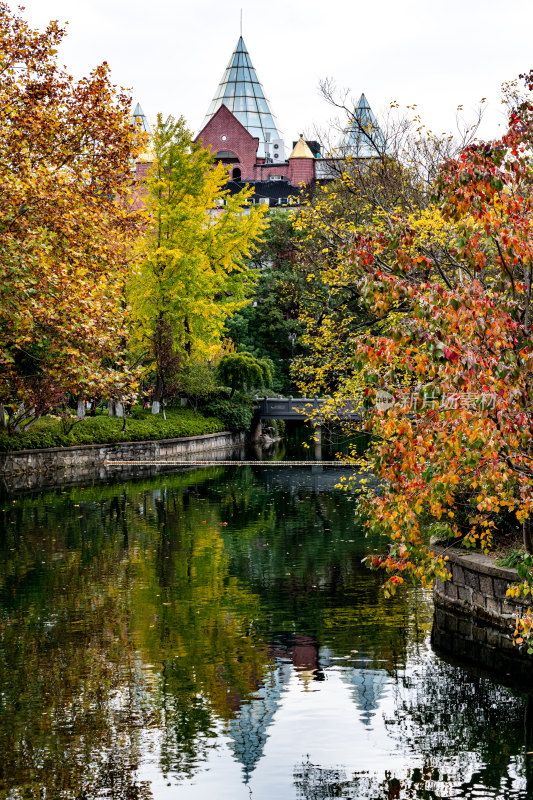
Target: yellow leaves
{"points": [[193, 270]]}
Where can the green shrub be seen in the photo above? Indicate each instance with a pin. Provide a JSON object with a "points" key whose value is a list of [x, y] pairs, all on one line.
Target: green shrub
{"points": [[141, 426], [235, 414], [513, 559], [197, 383]]}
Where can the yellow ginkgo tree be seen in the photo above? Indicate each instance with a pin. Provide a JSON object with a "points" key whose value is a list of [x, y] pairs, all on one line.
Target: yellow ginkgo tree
{"points": [[193, 270]]}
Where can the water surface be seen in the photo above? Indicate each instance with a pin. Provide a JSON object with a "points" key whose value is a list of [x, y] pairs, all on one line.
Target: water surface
{"points": [[214, 634]]}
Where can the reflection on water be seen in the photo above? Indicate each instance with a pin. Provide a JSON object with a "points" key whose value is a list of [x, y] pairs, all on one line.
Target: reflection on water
{"points": [[213, 633]]}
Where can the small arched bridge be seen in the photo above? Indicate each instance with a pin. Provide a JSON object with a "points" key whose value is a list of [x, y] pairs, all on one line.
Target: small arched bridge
{"points": [[302, 408]]}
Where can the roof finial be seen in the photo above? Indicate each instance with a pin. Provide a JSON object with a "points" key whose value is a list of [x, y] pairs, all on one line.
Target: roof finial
{"points": [[241, 22]]}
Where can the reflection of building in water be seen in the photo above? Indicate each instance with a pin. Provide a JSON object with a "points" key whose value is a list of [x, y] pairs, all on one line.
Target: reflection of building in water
{"points": [[302, 651], [248, 730], [368, 688]]}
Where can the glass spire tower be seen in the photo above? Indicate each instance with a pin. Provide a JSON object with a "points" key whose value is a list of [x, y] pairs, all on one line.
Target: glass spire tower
{"points": [[139, 117], [241, 92], [363, 138]]}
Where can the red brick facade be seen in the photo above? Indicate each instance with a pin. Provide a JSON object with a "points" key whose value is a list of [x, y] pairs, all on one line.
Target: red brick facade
{"points": [[225, 135], [263, 172], [244, 147], [237, 141], [301, 170]]}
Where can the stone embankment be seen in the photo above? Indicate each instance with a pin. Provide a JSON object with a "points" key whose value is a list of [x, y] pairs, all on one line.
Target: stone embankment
{"points": [[32, 469], [469, 640], [477, 591], [479, 587]]}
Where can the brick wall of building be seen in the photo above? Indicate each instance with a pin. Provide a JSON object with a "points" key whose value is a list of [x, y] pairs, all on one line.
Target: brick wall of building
{"points": [[237, 140], [301, 170], [263, 172]]}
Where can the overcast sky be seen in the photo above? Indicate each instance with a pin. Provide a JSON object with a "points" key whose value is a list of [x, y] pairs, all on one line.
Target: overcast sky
{"points": [[171, 54]]}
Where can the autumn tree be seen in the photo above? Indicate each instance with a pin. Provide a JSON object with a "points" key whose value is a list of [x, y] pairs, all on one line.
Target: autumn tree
{"points": [[393, 181], [65, 226], [443, 323], [193, 272]]}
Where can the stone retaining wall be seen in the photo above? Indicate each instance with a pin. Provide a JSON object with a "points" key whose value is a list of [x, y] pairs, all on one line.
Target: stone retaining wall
{"points": [[478, 588], [465, 639], [31, 469]]}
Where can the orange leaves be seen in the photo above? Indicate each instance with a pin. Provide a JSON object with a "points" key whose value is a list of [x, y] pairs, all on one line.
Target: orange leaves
{"points": [[438, 313], [65, 224]]}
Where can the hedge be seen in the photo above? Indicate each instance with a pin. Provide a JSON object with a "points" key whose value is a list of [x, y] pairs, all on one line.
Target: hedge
{"points": [[142, 426]]}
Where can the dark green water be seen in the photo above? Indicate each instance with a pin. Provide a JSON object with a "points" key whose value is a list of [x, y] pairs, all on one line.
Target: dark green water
{"points": [[213, 634]]}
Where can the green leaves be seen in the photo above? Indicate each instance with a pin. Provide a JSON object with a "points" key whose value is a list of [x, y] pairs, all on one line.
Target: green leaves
{"points": [[242, 370]]}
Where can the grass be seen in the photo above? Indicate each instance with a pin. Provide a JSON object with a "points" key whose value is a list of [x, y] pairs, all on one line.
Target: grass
{"points": [[512, 559], [141, 426]]}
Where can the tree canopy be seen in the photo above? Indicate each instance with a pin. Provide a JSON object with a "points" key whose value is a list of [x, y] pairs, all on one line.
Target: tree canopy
{"points": [[431, 301], [193, 272], [66, 225], [242, 370], [270, 327]]}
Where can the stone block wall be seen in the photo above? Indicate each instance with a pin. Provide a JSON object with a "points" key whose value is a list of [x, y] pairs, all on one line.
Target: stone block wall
{"points": [[478, 588], [482, 646], [31, 469]]}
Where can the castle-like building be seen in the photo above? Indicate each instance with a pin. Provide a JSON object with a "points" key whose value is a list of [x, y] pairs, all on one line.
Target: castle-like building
{"points": [[243, 134]]}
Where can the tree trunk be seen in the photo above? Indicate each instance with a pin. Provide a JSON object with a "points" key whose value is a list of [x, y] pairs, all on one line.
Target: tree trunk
{"points": [[81, 408], [119, 409], [158, 396], [526, 531], [188, 344], [3, 416], [18, 416]]}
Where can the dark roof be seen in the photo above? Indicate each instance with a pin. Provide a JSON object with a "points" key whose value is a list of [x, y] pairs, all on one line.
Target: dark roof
{"points": [[312, 145], [272, 190]]}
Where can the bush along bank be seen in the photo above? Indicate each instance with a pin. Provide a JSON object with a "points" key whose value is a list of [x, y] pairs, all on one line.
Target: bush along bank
{"points": [[140, 426]]}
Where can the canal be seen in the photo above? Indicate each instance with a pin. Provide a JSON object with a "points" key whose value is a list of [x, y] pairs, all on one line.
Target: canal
{"points": [[212, 633]]}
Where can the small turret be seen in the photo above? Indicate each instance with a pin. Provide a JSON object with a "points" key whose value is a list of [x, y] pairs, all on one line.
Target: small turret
{"points": [[301, 149], [141, 122], [301, 163]]}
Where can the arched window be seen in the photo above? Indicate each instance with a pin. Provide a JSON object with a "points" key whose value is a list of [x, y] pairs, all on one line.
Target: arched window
{"points": [[236, 174]]}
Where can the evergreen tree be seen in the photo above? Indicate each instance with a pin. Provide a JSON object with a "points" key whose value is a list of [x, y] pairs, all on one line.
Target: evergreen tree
{"points": [[269, 327]]}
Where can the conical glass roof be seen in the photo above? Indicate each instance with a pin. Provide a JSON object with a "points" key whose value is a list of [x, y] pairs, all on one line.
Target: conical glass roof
{"points": [[363, 138], [139, 117], [240, 91]]}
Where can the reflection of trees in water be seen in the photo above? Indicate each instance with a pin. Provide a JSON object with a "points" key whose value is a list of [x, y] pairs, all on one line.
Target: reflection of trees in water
{"points": [[149, 574], [94, 584], [72, 697], [446, 709], [98, 582], [428, 782]]}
